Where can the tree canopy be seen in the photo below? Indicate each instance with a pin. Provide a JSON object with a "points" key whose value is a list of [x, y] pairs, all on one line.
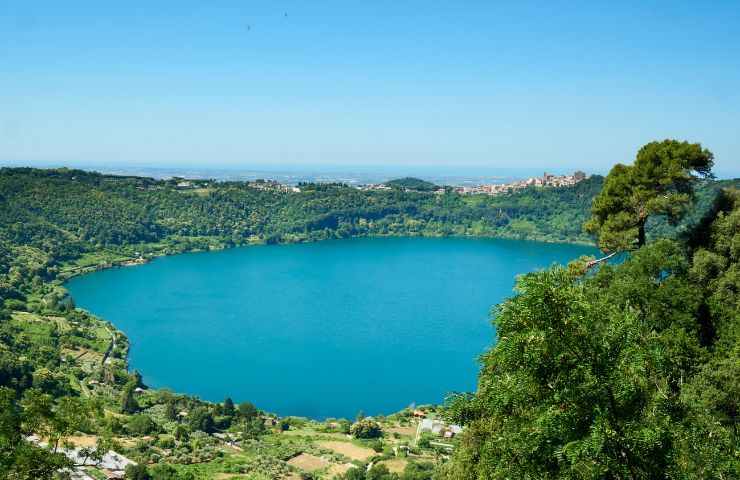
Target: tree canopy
{"points": [[412, 184], [630, 372], [660, 182]]}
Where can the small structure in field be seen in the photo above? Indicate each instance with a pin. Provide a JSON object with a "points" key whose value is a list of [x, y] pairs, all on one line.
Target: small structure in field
{"points": [[438, 427]]}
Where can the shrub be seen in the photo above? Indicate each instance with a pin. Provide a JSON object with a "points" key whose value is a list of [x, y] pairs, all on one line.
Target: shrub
{"points": [[137, 472], [13, 304], [140, 425], [366, 428]]}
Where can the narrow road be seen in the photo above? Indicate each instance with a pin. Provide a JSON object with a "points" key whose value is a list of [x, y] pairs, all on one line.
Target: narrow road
{"points": [[110, 347]]}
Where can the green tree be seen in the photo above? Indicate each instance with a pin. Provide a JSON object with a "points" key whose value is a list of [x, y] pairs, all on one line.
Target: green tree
{"points": [[418, 471], [170, 410], [140, 425], [253, 428], [366, 428], [128, 400], [70, 415], [380, 472], [355, 473], [345, 426], [137, 472], [660, 182], [200, 418], [181, 433], [584, 381], [136, 379], [229, 410], [20, 459], [247, 410], [103, 445], [168, 472]]}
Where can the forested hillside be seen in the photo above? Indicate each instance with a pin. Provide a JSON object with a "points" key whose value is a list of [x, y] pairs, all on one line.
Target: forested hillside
{"points": [[63, 372], [59, 215], [628, 371], [103, 210], [625, 371]]}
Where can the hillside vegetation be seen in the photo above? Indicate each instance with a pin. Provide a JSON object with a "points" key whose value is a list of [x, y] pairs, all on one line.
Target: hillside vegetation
{"points": [[629, 371], [64, 375], [412, 184], [626, 371]]}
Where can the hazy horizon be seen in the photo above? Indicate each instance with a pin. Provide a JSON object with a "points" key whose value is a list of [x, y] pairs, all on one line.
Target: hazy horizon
{"points": [[414, 87]]}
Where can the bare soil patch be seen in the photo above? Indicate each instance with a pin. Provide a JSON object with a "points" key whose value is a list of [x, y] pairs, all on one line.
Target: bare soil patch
{"points": [[350, 450], [409, 431], [83, 440], [339, 469], [395, 465], [308, 462]]}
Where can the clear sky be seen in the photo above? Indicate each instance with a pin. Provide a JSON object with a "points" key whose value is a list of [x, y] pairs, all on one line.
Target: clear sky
{"points": [[423, 83]]}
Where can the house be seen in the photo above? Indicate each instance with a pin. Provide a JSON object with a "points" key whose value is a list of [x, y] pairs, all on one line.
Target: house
{"points": [[431, 425], [438, 427], [269, 421]]}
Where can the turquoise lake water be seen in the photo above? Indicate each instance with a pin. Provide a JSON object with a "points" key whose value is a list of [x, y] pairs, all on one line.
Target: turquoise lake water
{"points": [[322, 329]]}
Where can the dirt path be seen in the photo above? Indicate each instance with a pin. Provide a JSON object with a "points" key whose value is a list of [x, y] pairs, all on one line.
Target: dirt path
{"points": [[110, 347]]}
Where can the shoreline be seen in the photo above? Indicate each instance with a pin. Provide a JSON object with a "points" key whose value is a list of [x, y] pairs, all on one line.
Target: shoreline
{"points": [[136, 261], [132, 261]]}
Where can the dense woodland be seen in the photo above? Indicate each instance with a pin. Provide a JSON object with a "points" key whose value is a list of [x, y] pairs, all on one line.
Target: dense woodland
{"points": [[600, 371], [628, 370]]}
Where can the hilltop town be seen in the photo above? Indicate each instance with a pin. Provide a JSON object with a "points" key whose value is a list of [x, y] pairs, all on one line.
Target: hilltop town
{"points": [[546, 180], [407, 184]]}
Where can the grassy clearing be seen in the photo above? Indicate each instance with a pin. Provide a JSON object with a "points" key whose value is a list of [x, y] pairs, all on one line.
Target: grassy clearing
{"points": [[350, 450], [83, 440], [34, 327], [395, 465], [308, 462], [339, 469], [404, 431]]}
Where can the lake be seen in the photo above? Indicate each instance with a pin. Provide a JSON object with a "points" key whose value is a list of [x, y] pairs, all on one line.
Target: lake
{"points": [[319, 330]]}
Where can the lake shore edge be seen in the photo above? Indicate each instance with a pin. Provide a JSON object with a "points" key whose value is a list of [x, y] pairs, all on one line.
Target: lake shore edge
{"points": [[182, 246]]}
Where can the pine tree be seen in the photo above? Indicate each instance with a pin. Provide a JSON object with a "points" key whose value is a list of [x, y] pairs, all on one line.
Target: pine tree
{"points": [[128, 401]]}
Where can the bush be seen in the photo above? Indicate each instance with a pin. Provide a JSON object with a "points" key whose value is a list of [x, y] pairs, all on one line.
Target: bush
{"points": [[182, 434], [426, 438], [418, 471], [137, 472], [13, 304], [247, 410], [201, 419], [345, 426], [366, 429], [254, 428], [140, 425], [168, 472], [166, 441]]}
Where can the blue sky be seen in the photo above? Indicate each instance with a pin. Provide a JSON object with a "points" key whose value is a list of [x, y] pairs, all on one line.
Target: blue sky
{"points": [[474, 84]]}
